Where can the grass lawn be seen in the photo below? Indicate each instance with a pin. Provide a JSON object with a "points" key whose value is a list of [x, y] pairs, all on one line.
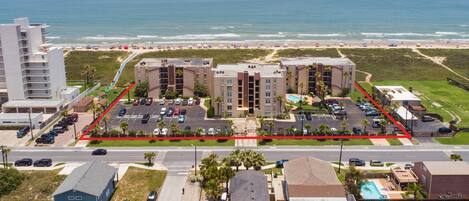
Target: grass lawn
{"points": [[111, 95], [328, 52], [163, 143], [443, 96], [312, 142], [394, 142], [106, 63], [456, 59], [137, 183], [277, 171], [395, 64], [38, 185], [218, 55], [460, 138]]}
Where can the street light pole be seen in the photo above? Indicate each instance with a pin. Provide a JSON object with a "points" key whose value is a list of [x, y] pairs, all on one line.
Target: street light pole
{"points": [[31, 124], [340, 155], [75, 130], [195, 160]]}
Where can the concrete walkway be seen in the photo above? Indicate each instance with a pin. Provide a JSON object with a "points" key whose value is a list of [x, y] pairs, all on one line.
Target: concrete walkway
{"points": [[251, 129], [380, 142], [192, 191], [406, 142], [172, 187], [440, 63]]}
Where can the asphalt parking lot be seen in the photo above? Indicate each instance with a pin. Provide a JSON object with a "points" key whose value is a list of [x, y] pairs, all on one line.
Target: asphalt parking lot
{"points": [[194, 117]]}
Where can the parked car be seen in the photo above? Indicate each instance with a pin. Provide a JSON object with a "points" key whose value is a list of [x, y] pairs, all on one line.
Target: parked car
{"points": [[164, 131], [445, 130], [162, 101], [376, 163], [183, 111], [72, 116], [184, 102], [426, 118], [23, 131], [136, 102], [176, 111], [99, 152], [357, 131], [356, 162], [197, 101], [152, 196], [122, 112], [372, 113], [279, 163], [177, 101], [211, 131], [163, 111], [45, 162], [143, 101], [170, 102], [156, 131], [181, 119], [24, 162], [309, 117], [408, 166], [59, 129], [149, 101], [146, 118], [190, 101], [170, 112]]}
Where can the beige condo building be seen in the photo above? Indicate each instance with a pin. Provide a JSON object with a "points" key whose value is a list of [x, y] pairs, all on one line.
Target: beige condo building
{"points": [[175, 74], [338, 74], [248, 89]]}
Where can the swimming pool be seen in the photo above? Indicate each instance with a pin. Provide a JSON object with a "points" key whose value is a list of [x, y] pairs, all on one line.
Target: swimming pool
{"points": [[293, 98], [369, 190]]}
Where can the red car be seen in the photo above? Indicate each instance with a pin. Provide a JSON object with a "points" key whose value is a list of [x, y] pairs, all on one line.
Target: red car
{"points": [[176, 111], [136, 102]]}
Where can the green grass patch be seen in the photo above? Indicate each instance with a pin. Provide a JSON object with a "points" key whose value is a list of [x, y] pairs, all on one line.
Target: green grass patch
{"points": [[38, 185], [271, 171], [312, 142], [439, 95], [106, 63], [394, 142], [162, 143], [461, 138], [456, 59], [220, 56], [328, 52], [395, 64], [111, 94], [137, 183]]}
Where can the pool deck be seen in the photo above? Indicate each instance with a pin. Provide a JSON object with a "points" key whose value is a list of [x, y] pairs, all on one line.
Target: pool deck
{"points": [[387, 188]]}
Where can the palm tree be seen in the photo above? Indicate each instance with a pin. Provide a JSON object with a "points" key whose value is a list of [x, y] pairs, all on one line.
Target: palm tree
{"points": [[365, 123], [235, 158], [88, 73], [5, 152], [225, 172], [247, 158], [179, 72], [353, 181], [93, 108], [97, 129], [218, 100], [106, 119], [279, 99], [258, 160], [124, 126], [262, 122], [160, 125], [324, 129], [414, 189], [212, 189], [199, 131], [271, 126], [344, 125], [455, 157], [174, 129], [150, 157]]}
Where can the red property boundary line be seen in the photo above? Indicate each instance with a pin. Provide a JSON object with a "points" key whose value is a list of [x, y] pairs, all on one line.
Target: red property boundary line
{"points": [[127, 90]]}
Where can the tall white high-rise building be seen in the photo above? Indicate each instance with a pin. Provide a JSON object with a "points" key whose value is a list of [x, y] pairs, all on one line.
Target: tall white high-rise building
{"points": [[29, 67]]}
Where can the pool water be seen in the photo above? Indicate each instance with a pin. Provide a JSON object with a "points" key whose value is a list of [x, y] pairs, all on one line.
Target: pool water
{"points": [[369, 190], [293, 98]]}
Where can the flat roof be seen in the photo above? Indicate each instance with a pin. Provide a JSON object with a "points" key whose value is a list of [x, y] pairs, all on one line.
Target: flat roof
{"points": [[304, 61], [405, 114], [232, 70], [19, 115], [447, 167], [397, 93], [178, 62], [404, 175], [33, 103]]}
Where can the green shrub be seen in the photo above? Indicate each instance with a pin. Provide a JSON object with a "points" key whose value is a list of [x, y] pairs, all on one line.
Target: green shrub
{"points": [[210, 112], [10, 179]]}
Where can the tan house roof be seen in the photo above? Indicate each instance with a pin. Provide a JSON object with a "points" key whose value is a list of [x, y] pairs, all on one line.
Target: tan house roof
{"points": [[447, 167], [311, 177], [404, 175]]}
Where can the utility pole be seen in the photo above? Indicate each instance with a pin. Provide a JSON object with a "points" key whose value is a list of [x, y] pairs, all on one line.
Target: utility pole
{"points": [[75, 130], [340, 155], [195, 160], [31, 124], [3, 156]]}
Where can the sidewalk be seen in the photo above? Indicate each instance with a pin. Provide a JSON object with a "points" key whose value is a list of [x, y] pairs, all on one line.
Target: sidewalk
{"points": [[192, 191]]}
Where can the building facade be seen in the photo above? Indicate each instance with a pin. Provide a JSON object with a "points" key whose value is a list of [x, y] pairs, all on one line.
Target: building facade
{"points": [[240, 90], [29, 67], [180, 75], [304, 74]]}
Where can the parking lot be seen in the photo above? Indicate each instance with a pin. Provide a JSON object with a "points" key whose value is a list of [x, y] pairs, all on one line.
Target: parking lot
{"points": [[194, 117]]}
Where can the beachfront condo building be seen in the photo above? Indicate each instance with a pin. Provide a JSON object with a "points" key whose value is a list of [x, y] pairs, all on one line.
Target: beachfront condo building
{"points": [[305, 74], [180, 75], [29, 67], [248, 89]]}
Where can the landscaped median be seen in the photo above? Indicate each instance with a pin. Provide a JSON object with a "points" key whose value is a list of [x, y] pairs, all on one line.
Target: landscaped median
{"points": [[461, 138], [312, 142], [162, 143]]}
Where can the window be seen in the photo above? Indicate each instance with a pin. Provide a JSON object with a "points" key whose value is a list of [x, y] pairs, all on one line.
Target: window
{"points": [[267, 101], [71, 198], [267, 87], [78, 198], [267, 94], [229, 100], [229, 82], [267, 81], [229, 107]]}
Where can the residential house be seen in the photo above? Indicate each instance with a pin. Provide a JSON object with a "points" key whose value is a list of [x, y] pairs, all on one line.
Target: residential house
{"points": [[249, 185]]}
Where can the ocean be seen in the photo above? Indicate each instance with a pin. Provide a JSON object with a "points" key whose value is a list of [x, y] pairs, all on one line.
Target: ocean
{"points": [[113, 21]]}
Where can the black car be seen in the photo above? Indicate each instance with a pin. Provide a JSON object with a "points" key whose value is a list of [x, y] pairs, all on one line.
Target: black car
{"points": [[170, 112], [24, 162], [152, 196], [357, 131], [183, 111], [184, 102], [309, 117], [279, 163], [99, 152], [45, 162], [427, 118], [59, 129], [445, 130], [22, 132], [143, 101], [45, 139], [122, 112], [356, 162], [146, 118], [149, 101]]}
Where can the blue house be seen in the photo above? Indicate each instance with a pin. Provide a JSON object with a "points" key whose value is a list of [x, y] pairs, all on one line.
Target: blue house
{"points": [[93, 181]]}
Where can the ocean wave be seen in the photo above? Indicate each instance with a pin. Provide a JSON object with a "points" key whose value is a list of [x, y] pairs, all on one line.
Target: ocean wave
{"points": [[400, 34], [464, 25], [222, 27], [147, 36], [321, 35], [449, 33], [201, 36], [277, 35], [52, 37], [117, 38]]}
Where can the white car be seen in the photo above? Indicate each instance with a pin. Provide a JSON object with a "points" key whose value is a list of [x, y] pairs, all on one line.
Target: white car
{"points": [[211, 131], [333, 130], [164, 131], [163, 111], [190, 101], [156, 131], [162, 102], [177, 101]]}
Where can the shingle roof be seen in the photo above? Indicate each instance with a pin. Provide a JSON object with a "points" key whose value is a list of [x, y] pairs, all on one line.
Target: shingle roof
{"points": [[311, 177], [249, 186], [90, 178]]}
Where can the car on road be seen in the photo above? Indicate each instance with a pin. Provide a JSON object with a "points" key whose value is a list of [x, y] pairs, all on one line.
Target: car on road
{"points": [[309, 117], [23, 131], [149, 101], [146, 118], [45, 162], [445, 130], [426, 118], [163, 111], [279, 163], [24, 162], [376, 163], [122, 112], [99, 152], [164, 131], [156, 131], [356, 162], [152, 196], [181, 119]]}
